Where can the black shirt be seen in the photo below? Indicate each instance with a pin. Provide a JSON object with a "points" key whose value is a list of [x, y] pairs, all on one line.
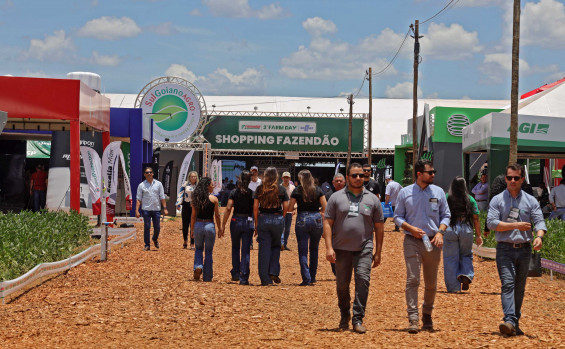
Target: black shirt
{"points": [[242, 202], [311, 206], [283, 196], [372, 186], [207, 212]]}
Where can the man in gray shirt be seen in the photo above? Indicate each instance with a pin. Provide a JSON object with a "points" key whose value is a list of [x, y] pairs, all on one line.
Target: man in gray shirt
{"points": [[149, 200], [510, 214], [352, 214]]}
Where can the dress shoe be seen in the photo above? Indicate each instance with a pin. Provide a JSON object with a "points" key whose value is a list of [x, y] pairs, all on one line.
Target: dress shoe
{"points": [[234, 278], [507, 328], [413, 327], [427, 323], [304, 283], [344, 322], [519, 332], [197, 273], [243, 282], [275, 278], [465, 281], [359, 328], [156, 243]]}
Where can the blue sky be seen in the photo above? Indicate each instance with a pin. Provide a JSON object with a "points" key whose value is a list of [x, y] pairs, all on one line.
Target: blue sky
{"points": [[313, 48]]}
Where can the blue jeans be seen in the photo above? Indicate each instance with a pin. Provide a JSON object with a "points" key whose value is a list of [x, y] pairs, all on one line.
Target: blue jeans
{"points": [[308, 229], [269, 230], [241, 230], [287, 224], [38, 200], [149, 216], [345, 263], [204, 239], [457, 255], [559, 213], [513, 265]]}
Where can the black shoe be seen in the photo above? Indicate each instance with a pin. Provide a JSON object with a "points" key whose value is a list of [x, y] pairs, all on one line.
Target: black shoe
{"points": [[465, 281], [359, 328], [344, 322], [156, 243], [304, 283], [275, 278], [507, 328], [313, 281], [519, 332], [234, 278], [185, 244], [427, 323], [197, 273], [244, 282], [268, 284], [413, 327], [147, 248]]}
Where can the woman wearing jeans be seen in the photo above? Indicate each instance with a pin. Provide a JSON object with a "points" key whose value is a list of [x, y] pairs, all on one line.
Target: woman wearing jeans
{"points": [[309, 226], [458, 239], [241, 227], [269, 208], [204, 209], [184, 198]]}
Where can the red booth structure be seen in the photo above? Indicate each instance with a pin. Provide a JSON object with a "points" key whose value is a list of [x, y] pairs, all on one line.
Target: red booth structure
{"points": [[56, 105]]}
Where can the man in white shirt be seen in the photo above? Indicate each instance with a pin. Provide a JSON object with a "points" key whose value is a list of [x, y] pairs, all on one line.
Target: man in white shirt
{"points": [[391, 192], [255, 180], [557, 200], [289, 187]]}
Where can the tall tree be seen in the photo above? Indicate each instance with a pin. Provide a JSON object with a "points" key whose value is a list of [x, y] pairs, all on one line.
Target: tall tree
{"points": [[513, 152]]}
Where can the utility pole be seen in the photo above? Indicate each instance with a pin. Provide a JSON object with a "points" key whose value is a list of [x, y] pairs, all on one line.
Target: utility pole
{"points": [[370, 147], [350, 101], [416, 29], [513, 151]]}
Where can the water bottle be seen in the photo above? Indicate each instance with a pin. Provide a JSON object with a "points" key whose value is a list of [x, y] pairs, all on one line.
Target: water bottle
{"points": [[427, 243]]}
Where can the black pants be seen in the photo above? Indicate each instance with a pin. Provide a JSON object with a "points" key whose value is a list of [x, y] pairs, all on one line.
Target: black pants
{"points": [[186, 215]]}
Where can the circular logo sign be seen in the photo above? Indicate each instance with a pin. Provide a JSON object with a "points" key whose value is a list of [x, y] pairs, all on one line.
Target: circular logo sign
{"points": [[456, 123], [174, 109]]}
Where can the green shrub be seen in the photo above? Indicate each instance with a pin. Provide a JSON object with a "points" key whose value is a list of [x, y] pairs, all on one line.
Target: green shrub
{"points": [[28, 239], [553, 242]]}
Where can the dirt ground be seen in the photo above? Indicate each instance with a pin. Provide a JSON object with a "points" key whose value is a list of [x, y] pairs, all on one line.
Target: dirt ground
{"points": [[143, 299]]}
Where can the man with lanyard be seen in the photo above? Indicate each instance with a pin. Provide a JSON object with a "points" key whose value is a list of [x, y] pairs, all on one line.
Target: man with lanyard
{"points": [[369, 183], [149, 193], [338, 183], [509, 215], [481, 192], [351, 216], [289, 187], [422, 212], [391, 193]]}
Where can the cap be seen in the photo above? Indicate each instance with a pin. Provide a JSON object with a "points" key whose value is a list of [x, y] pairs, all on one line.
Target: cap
{"points": [[286, 174], [254, 168], [388, 177]]}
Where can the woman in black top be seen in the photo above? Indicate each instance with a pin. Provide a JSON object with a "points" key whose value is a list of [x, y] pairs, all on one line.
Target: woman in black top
{"points": [[184, 198], [204, 209], [309, 227], [269, 207], [241, 227]]}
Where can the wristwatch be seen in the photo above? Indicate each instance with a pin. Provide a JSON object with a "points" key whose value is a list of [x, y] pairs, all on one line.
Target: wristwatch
{"points": [[442, 232]]}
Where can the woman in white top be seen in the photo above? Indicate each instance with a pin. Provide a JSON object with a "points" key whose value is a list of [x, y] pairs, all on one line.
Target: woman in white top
{"points": [[185, 195]]}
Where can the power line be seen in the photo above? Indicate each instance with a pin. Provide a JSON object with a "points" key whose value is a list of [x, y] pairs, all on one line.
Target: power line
{"points": [[449, 5], [362, 83], [395, 55]]}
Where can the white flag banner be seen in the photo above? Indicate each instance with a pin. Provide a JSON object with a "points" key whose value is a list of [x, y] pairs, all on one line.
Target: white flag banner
{"points": [[184, 169], [214, 173], [109, 173], [92, 167], [337, 168], [127, 186], [218, 181]]}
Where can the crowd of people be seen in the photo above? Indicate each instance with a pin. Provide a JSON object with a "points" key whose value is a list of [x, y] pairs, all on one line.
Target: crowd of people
{"points": [[348, 216]]}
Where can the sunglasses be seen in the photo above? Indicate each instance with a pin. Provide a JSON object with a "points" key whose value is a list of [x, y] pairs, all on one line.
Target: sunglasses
{"points": [[515, 178], [366, 170], [430, 172], [148, 172], [357, 175]]}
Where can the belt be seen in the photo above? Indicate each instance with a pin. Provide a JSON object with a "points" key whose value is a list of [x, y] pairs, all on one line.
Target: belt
{"points": [[242, 215], [205, 220], [275, 214], [514, 245]]}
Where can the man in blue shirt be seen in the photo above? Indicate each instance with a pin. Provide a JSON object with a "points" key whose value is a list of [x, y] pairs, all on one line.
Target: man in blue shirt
{"points": [[481, 193], [150, 199], [510, 214], [422, 210]]}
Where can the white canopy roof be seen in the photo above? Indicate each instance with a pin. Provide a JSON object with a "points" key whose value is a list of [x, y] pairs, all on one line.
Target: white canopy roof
{"points": [[550, 102]]}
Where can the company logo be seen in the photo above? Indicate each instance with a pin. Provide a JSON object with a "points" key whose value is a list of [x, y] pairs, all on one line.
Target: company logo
{"points": [[277, 127], [527, 127], [456, 123], [307, 128], [170, 112]]}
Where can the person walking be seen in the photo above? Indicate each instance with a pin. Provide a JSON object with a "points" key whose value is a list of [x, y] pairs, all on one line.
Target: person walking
{"points": [[150, 199], [422, 212], [481, 192], [391, 193], [338, 183], [38, 188], [205, 207], [184, 198], [557, 200], [511, 214], [369, 183], [309, 227], [289, 187], [270, 205], [351, 216], [241, 227], [458, 271], [255, 180]]}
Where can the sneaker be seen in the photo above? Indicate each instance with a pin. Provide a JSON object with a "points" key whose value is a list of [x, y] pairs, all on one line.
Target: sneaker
{"points": [[359, 328], [465, 281], [275, 278], [147, 248], [344, 322], [507, 328], [413, 327], [156, 243], [197, 273], [427, 323], [192, 246]]}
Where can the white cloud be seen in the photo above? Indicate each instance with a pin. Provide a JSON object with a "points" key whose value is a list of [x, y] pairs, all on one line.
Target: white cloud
{"points": [[110, 28], [54, 48], [401, 90], [241, 9], [543, 24], [481, 3], [222, 82], [328, 60], [163, 29], [449, 43], [110, 61], [196, 12]]}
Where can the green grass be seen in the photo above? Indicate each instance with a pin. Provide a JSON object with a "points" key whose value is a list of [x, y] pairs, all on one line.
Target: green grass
{"points": [[28, 239], [553, 243]]}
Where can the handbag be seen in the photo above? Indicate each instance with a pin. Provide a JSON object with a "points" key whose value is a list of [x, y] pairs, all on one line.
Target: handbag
{"points": [[535, 265], [387, 210]]}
